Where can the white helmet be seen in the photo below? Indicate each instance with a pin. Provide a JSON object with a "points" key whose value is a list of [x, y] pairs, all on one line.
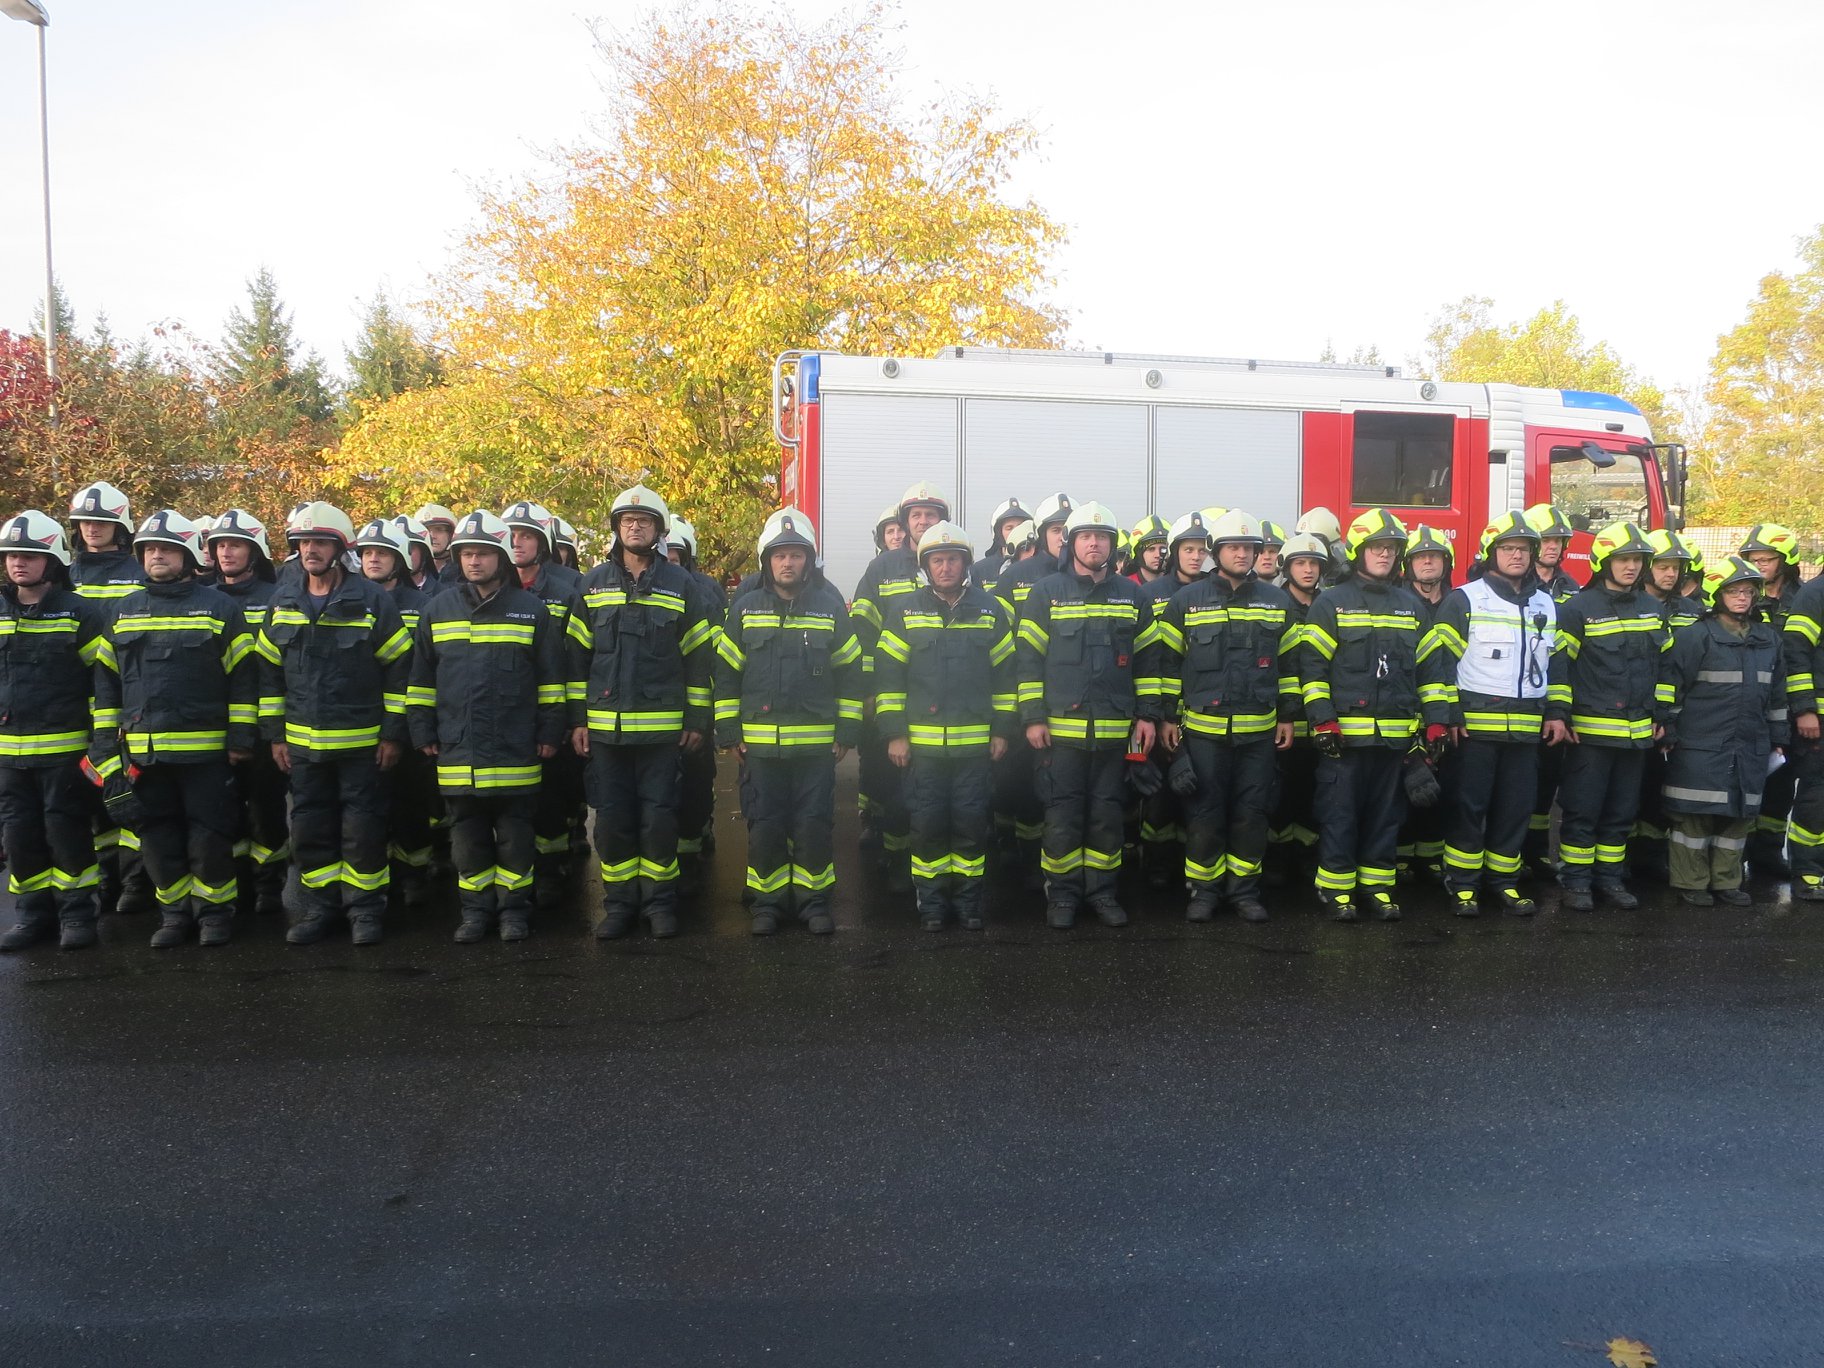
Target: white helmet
{"points": [[1304, 544], [168, 527], [237, 524], [534, 517], [787, 527], [684, 535], [924, 494], [1235, 526], [1054, 509], [1320, 521], [1090, 517], [387, 535], [1191, 527], [563, 533], [639, 499], [412, 533], [1022, 535], [434, 513], [320, 519], [36, 532], [101, 502], [945, 536], [482, 528]]}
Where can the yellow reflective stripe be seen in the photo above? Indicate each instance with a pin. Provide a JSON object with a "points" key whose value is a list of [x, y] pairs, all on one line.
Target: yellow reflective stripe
{"points": [[550, 693], [1034, 635], [394, 646], [1393, 728], [924, 734], [1623, 728], [43, 743], [484, 633], [654, 598], [1084, 728], [177, 741], [330, 738], [244, 714], [847, 653], [891, 646], [394, 703], [1239, 724], [420, 696], [606, 720], [106, 591], [1319, 640], [487, 776], [808, 734], [890, 702]]}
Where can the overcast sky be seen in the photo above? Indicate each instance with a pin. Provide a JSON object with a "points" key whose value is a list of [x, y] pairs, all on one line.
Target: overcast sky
{"points": [[1238, 179]]}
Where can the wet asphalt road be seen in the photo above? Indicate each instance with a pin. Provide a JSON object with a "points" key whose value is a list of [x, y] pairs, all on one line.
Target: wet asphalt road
{"points": [[1436, 1142]]}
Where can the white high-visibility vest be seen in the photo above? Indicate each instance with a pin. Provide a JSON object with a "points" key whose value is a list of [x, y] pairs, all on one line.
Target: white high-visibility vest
{"points": [[1509, 644]]}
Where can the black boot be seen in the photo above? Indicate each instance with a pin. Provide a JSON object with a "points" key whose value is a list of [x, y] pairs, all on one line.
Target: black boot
{"points": [[215, 925], [173, 929], [1383, 905], [366, 928], [515, 924], [617, 920], [25, 934], [1576, 899], [1615, 892], [1340, 906], [1250, 908], [135, 886], [1108, 911], [1203, 904]]}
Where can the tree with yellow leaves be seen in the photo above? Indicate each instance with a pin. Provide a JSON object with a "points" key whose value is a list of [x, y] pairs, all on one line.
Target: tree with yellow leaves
{"points": [[759, 186]]}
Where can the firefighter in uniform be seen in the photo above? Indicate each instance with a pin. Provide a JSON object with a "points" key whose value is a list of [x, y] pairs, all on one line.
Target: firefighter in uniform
{"points": [[642, 703], [1675, 563], [1358, 673], [1774, 551], [889, 530], [244, 572], [697, 792], [1612, 635], [106, 570], [1008, 516], [176, 699], [945, 704], [1321, 523], [1292, 829], [1724, 695], [1554, 531], [532, 531], [1490, 658], [50, 641], [439, 525], [568, 555], [788, 701], [1430, 558], [1220, 659], [1272, 544], [1802, 636], [892, 574], [335, 657], [487, 703], [1015, 581], [387, 547], [1077, 631], [1161, 828]]}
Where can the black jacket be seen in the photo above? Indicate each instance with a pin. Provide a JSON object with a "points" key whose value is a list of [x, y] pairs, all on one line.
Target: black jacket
{"points": [[1223, 655], [1358, 662], [1612, 640], [647, 654], [1076, 658], [106, 576], [788, 671], [333, 679], [944, 675], [48, 652]]}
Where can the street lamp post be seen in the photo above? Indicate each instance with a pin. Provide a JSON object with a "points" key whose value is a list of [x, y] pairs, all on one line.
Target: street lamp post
{"points": [[34, 13]]}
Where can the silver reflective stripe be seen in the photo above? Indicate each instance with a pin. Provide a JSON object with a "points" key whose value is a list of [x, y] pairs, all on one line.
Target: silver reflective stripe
{"points": [[1764, 676], [1719, 676], [1752, 799], [1731, 842], [1690, 842], [1777, 715], [1697, 795]]}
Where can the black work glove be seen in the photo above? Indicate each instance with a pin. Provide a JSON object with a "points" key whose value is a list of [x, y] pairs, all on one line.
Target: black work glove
{"points": [[1183, 775], [1422, 789], [1143, 776]]}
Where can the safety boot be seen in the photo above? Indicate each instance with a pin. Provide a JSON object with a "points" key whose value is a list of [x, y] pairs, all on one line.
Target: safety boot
{"points": [[1250, 909], [135, 892], [1808, 888], [1515, 903], [1577, 900], [515, 925], [25, 934], [1733, 897], [1202, 906], [173, 928], [1340, 906], [820, 923], [365, 928], [471, 928], [1463, 900], [764, 923], [1381, 902], [1108, 911], [617, 920], [1060, 916], [76, 935], [663, 923], [1696, 897], [214, 924], [1616, 893]]}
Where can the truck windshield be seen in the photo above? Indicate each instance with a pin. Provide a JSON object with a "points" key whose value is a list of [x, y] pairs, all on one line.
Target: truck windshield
{"points": [[1593, 498]]}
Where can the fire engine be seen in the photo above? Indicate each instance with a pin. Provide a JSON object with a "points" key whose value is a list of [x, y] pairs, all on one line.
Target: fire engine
{"points": [[1166, 434]]}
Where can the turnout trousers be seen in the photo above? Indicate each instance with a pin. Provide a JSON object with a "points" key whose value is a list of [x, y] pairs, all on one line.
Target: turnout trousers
{"points": [[1225, 821], [561, 790], [883, 799], [492, 845], [50, 849], [338, 832], [1706, 850], [1496, 784], [789, 801], [1084, 796], [697, 800], [948, 794], [1360, 802], [1539, 823], [635, 792], [187, 835], [409, 790], [263, 848], [1598, 802], [1805, 831], [1767, 839]]}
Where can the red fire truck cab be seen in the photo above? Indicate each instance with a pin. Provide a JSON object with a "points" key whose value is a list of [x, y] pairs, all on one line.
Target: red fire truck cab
{"points": [[1157, 434]]}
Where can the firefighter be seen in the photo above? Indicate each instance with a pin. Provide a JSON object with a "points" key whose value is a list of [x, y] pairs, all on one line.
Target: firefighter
{"points": [[1161, 813], [244, 572], [532, 532], [421, 567], [487, 703], [945, 704], [1220, 658], [1774, 551], [439, 527], [1272, 543], [1322, 523], [1612, 634], [1724, 701], [564, 535], [1801, 636], [1490, 661], [178, 690], [1674, 560], [1430, 559], [1147, 545], [1077, 630], [892, 574], [1554, 530], [1016, 581], [788, 702], [1358, 673], [1292, 829], [50, 642], [335, 657], [889, 530], [643, 704], [387, 548], [697, 792], [1008, 516]]}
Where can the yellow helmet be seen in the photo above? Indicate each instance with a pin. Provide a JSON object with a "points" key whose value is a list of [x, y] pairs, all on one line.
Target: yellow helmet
{"points": [[1506, 527], [1782, 541], [1617, 539], [1547, 521], [1670, 546], [1152, 528], [1376, 524], [1425, 537], [1730, 570]]}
